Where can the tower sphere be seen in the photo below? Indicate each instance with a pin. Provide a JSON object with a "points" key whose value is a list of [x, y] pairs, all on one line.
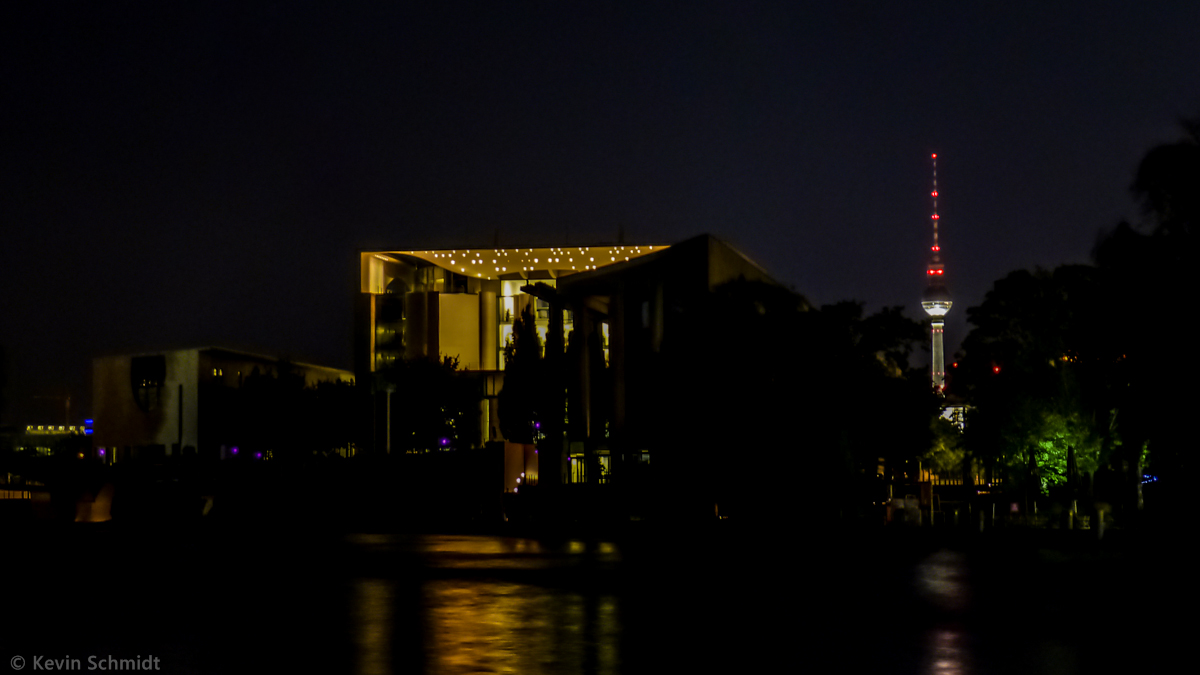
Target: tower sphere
{"points": [[936, 300]]}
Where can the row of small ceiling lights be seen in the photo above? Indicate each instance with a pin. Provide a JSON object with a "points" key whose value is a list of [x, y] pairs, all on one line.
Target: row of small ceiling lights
{"points": [[476, 259]]}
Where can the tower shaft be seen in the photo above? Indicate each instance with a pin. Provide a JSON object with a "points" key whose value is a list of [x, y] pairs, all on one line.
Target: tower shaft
{"points": [[938, 354]]}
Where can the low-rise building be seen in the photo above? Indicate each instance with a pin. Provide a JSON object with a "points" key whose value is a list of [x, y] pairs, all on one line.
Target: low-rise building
{"points": [[173, 402]]}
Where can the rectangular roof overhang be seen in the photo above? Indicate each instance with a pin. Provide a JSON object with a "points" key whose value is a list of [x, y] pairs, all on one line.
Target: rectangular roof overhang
{"points": [[521, 263]]}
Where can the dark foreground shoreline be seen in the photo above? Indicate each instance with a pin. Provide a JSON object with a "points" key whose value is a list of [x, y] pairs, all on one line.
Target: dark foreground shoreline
{"points": [[243, 598]]}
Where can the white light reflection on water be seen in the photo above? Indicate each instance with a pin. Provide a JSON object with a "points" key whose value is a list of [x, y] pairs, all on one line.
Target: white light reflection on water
{"points": [[947, 654], [941, 579]]}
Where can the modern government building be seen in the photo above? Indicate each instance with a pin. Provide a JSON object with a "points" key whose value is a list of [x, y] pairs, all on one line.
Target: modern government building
{"points": [[617, 299]]}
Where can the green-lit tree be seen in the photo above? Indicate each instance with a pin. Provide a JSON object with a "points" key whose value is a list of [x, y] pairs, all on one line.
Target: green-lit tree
{"points": [[1038, 367], [947, 453]]}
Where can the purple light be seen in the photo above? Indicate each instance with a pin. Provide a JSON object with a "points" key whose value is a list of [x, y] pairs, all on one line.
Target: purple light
{"points": [[101, 452], [445, 441], [537, 425], [234, 451], [258, 455]]}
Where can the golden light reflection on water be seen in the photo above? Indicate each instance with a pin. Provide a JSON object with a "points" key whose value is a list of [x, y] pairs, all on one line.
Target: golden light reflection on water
{"points": [[373, 608], [486, 625], [478, 545], [500, 552], [492, 626]]}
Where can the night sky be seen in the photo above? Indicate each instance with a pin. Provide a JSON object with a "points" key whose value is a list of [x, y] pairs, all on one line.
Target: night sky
{"points": [[177, 178]]}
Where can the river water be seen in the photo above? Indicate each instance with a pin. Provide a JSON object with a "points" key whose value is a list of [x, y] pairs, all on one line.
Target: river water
{"points": [[702, 601]]}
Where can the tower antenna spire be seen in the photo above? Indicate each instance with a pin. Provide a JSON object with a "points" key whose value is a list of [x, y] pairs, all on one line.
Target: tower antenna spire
{"points": [[936, 300], [936, 248]]}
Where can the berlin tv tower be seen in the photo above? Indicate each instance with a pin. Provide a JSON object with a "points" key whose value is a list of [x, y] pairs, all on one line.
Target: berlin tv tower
{"points": [[936, 299]]}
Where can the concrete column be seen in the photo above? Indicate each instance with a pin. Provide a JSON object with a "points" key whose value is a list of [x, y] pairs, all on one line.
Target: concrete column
{"points": [[616, 365], [584, 326], [550, 452], [489, 330]]}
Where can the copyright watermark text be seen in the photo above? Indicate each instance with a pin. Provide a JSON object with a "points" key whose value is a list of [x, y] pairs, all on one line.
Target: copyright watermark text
{"points": [[95, 663]]}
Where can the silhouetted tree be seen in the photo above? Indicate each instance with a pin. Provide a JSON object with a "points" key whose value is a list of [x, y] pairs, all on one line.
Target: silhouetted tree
{"points": [[1150, 276], [782, 406], [278, 413], [3, 381], [523, 380], [433, 406]]}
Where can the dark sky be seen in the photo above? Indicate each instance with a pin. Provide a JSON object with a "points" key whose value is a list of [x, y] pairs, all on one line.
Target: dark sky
{"points": [[179, 177]]}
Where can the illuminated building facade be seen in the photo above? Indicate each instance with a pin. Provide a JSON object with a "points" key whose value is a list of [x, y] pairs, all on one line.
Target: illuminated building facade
{"points": [[460, 303], [167, 403], [613, 304], [936, 299]]}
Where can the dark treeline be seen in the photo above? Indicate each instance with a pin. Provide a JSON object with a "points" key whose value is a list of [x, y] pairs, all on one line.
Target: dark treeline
{"points": [[279, 415], [432, 406], [1081, 376], [786, 408], [756, 404]]}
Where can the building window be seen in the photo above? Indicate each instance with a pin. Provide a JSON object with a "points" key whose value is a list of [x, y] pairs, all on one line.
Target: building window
{"points": [[147, 374]]}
